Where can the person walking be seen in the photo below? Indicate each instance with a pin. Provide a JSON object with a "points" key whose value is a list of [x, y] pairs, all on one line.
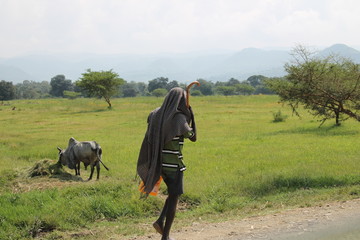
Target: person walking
{"points": [[161, 153]]}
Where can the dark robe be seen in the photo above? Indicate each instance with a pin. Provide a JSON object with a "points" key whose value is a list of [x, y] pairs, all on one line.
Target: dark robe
{"points": [[164, 123]]}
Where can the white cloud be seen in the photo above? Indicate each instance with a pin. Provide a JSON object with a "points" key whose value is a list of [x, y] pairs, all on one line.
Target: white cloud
{"points": [[145, 26]]}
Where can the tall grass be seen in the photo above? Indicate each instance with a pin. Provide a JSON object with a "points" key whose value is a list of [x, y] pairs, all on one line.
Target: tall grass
{"points": [[241, 159]]}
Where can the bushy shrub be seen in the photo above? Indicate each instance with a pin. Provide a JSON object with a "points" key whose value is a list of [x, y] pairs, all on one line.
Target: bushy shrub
{"points": [[196, 93], [159, 92], [71, 94], [279, 117]]}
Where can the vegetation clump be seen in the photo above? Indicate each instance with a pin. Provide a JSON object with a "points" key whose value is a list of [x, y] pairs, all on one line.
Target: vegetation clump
{"points": [[279, 117], [45, 167]]}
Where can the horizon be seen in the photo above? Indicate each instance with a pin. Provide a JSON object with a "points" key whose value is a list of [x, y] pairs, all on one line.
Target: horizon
{"points": [[181, 67], [203, 52]]}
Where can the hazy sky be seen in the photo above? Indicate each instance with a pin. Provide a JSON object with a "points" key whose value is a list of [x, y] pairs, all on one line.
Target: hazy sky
{"points": [[159, 26]]}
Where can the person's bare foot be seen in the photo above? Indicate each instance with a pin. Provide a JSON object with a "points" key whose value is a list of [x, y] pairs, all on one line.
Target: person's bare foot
{"points": [[158, 227]]}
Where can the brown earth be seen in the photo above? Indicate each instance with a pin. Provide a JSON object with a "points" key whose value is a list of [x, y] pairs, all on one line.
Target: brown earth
{"points": [[332, 221]]}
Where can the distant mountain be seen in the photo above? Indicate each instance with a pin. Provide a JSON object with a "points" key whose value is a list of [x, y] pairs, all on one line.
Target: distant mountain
{"points": [[342, 50], [220, 66], [13, 74], [39, 67], [251, 61]]}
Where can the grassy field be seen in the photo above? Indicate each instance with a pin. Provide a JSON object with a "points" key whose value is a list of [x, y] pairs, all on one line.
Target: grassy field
{"points": [[242, 164]]}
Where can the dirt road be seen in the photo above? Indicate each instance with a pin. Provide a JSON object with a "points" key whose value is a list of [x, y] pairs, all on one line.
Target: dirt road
{"points": [[333, 221]]}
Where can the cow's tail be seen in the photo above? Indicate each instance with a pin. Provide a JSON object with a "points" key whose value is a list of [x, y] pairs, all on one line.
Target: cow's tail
{"points": [[99, 153]]}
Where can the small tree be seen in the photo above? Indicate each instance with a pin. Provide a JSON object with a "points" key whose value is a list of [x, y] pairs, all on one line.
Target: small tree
{"points": [[71, 94], [159, 92], [232, 82], [128, 90], [196, 93], [7, 90], [103, 84], [279, 117], [329, 87], [142, 88], [226, 90], [256, 80], [244, 89], [171, 85], [206, 88], [160, 82], [59, 84]]}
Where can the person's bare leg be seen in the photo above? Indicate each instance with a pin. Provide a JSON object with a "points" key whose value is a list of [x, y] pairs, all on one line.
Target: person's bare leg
{"points": [[172, 201], [159, 223]]}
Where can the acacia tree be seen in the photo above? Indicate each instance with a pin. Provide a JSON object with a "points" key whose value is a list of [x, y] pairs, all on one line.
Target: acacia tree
{"points": [[103, 84], [329, 87]]}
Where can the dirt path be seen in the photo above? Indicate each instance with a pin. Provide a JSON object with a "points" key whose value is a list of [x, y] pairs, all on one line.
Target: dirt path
{"points": [[333, 221]]}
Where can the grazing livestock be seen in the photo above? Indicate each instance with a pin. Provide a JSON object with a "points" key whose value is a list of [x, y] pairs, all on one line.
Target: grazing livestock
{"points": [[88, 152]]}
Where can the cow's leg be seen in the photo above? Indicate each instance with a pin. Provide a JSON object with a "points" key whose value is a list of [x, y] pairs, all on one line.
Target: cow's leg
{"points": [[78, 169], [92, 171], [85, 165], [98, 169]]}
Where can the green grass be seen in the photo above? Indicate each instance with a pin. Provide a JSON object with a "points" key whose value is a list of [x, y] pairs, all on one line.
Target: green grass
{"points": [[242, 163]]}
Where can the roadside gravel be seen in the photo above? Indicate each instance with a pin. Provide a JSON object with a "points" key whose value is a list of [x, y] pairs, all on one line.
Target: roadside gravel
{"points": [[332, 221]]}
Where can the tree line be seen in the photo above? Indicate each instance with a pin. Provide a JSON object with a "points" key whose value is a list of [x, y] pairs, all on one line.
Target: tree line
{"points": [[60, 86]]}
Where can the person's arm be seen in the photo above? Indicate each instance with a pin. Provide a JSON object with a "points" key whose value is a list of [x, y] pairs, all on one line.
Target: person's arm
{"points": [[193, 126]]}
